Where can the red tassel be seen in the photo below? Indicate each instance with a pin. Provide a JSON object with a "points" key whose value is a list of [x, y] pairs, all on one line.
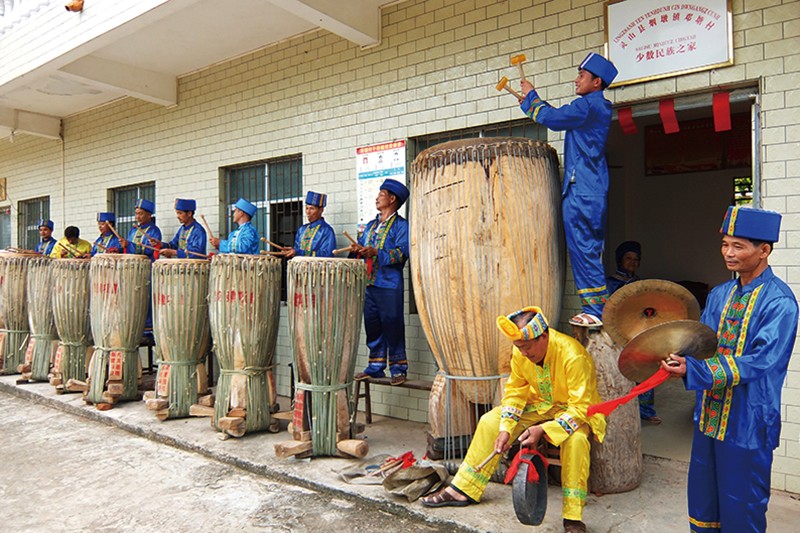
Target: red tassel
{"points": [[650, 383], [625, 117], [666, 108], [722, 111]]}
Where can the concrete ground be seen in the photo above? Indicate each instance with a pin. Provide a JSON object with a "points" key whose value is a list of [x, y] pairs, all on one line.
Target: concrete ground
{"points": [[658, 505]]}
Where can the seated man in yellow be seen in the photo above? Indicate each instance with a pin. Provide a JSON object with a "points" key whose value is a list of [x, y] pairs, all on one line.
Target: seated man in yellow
{"points": [[552, 384]]}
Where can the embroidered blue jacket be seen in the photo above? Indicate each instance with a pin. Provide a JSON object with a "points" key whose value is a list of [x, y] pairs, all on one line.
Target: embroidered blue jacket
{"points": [[109, 242], [191, 238], [391, 240], [136, 239], [45, 247], [315, 239], [739, 388]]}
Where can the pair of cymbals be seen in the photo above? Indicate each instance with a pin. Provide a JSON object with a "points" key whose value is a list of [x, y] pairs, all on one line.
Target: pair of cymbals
{"points": [[652, 319]]}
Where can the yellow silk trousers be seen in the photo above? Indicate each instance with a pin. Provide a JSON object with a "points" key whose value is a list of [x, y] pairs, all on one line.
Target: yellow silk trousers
{"points": [[575, 459]]}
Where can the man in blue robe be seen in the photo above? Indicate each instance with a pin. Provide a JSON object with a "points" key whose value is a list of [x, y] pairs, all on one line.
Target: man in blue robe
{"points": [[45, 246], [738, 408], [586, 121], [107, 242], [190, 239], [316, 238], [244, 239], [384, 247], [145, 235]]}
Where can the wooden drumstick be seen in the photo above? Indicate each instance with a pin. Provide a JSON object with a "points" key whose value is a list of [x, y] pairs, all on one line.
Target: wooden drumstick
{"points": [[340, 250], [503, 84], [140, 230], [114, 231], [486, 461], [205, 223], [73, 252], [264, 252], [264, 239], [518, 60], [189, 252], [350, 238]]}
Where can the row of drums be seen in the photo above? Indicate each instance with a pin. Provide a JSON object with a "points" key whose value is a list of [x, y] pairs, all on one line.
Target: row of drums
{"points": [[78, 323]]}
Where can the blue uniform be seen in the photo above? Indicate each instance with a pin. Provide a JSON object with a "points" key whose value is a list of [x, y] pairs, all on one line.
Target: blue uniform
{"points": [[45, 247], [136, 239], [586, 120], [243, 240], [384, 321], [109, 244], [316, 239], [738, 409], [190, 238]]}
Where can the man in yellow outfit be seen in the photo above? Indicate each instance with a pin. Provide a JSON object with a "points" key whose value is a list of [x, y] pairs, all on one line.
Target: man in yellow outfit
{"points": [[552, 384]]}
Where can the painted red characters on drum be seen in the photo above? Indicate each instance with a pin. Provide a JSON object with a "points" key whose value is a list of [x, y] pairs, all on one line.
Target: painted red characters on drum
{"points": [[235, 296]]}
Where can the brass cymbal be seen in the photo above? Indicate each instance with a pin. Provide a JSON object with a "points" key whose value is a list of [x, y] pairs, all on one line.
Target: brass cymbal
{"points": [[643, 354], [643, 304]]}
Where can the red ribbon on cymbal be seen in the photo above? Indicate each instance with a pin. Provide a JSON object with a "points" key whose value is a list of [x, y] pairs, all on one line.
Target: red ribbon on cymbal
{"points": [[650, 383], [533, 475]]}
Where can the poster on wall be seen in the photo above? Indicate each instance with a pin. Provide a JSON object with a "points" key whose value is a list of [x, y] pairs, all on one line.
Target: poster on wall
{"points": [[374, 164], [652, 39]]}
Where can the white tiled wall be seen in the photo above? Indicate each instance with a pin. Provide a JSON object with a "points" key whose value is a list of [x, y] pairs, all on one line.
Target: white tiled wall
{"points": [[434, 70]]}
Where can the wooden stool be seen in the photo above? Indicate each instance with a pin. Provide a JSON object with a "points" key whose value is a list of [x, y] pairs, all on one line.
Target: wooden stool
{"points": [[408, 384]]}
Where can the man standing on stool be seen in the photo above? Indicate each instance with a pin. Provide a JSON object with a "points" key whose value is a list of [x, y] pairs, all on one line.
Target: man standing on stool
{"points": [[244, 239], [384, 247], [738, 407], [552, 384], [586, 121], [315, 239], [45, 246]]}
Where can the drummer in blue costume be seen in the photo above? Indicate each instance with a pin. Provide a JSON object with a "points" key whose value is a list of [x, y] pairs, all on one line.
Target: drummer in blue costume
{"points": [[147, 233], [107, 242], [384, 247], [586, 121], [244, 239], [190, 237], [738, 408], [315, 239], [45, 246]]}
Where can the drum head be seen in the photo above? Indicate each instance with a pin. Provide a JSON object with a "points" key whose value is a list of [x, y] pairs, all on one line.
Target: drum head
{"points": [[642, 356], [530, 499], [643, 304]]}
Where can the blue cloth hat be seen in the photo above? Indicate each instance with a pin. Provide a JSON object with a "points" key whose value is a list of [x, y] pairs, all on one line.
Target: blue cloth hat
{"points": [[147, 205], [316, 199], [182, 204], [396, 188], [48, 223], [749, 223], [106, 217], [600, 66], [247, 207], [625, 247]]}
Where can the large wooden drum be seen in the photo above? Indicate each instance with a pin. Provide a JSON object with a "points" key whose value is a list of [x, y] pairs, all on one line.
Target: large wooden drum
{"points": [[70, 299], [14, 309], [181, 331], [488, 241], [120, 293], [43, 341], [244, 297], [326, 303]]}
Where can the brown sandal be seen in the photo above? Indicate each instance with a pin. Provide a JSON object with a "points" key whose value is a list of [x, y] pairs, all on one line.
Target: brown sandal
{"points": [[443, 499]]}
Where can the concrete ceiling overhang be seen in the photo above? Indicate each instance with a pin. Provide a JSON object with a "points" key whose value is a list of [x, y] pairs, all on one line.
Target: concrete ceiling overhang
{"points": [[142, 53]]}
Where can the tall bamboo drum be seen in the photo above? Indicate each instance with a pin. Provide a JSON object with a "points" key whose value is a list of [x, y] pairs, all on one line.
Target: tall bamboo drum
{"points": [[70, 299], [44, 340], [488, 241], [120, 292], [244, 297], [326, 304], [181, 331], [14, 309]]}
